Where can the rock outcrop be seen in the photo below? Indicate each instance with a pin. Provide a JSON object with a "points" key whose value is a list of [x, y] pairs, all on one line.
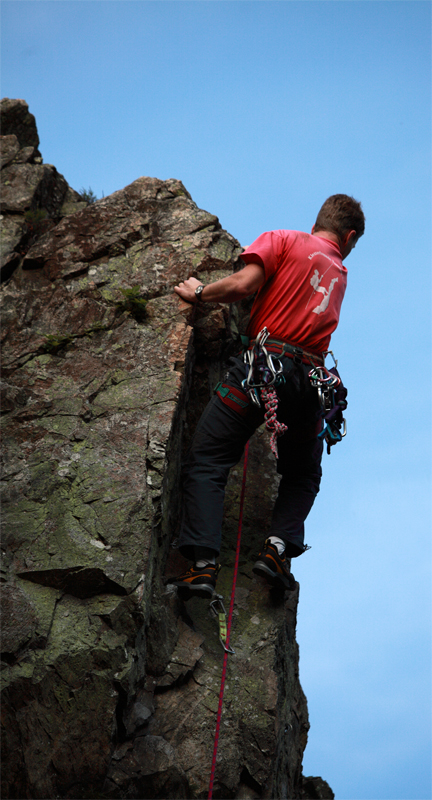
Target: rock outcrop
{"points": [[110, 682]]}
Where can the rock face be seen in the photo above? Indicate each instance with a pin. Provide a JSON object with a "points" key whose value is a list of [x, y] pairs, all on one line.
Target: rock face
{"points": [[110, 682], [34, 195]]}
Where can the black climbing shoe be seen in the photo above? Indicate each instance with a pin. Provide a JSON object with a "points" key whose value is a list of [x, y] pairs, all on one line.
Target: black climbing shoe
{"points": [[197, 581], [273, 567]]}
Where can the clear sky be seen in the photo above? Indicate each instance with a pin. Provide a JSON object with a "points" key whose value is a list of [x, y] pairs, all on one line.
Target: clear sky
{"points": [[263, 109]]}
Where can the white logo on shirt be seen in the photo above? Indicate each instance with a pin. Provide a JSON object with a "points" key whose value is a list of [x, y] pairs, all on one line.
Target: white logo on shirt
{"points": [[319, 253], [316, 284]]}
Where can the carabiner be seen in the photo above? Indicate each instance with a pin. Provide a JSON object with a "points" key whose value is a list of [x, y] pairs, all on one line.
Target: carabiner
{"points": [[321, 376]]}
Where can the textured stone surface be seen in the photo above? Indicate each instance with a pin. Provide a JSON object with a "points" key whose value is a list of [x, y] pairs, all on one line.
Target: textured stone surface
{"points": [[16, 120], [9, 149], [110, 683], [34, 196]]}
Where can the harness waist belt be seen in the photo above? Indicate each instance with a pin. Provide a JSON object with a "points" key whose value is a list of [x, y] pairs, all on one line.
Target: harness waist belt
{"points": [[281, 348]]}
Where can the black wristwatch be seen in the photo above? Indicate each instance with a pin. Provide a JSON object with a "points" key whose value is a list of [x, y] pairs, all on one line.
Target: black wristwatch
{"points": [[198, 291]]}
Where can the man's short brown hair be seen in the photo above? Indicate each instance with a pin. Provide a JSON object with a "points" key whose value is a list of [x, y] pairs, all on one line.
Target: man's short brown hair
{"points": [[341, 214]]}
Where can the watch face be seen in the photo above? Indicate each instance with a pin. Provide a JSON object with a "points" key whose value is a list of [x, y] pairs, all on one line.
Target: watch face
{"points": [[198, 291]]}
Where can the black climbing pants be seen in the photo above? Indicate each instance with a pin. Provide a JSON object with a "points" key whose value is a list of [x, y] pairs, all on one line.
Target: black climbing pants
{"points": [[218, 445]]}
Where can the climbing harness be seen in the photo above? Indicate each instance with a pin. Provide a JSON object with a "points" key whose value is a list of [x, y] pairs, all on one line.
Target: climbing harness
{"points": [[332, 396], [265, 372], [225, 643], [299, 356]]}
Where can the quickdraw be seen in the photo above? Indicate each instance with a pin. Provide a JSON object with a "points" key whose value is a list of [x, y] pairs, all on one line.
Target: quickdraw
{"points": [[218, 609], [332, 396]]}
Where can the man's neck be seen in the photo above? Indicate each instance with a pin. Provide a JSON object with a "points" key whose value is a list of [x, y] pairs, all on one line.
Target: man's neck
{"points": [[345, 245], [333, 237]]}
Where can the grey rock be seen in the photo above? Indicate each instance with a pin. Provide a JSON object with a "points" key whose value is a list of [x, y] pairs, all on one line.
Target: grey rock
{"points": [[16, 120], [13, 231], [9, 149], [316, 788], [18, 620], [32, 185]]}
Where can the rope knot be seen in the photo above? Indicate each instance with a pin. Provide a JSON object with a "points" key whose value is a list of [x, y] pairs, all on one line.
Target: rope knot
{"points": [[276, 428]]}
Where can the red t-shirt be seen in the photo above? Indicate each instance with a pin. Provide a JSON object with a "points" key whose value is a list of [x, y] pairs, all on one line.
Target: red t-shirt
{"points": [[305, 284]]}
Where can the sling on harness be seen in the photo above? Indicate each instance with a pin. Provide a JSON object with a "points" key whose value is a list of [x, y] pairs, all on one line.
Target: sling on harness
{"points": [[332, 396], [265, 372]]}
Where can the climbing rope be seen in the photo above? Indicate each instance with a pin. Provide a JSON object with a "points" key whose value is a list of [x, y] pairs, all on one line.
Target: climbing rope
{"points": [[228, 631], [273, 425]]}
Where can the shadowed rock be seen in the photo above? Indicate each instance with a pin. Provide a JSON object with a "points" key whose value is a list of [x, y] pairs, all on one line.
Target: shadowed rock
{"points": [[16, 120], [79, 581]]}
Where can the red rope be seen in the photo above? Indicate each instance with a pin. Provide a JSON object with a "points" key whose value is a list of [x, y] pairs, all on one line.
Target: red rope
{"points": [[230, 613]]}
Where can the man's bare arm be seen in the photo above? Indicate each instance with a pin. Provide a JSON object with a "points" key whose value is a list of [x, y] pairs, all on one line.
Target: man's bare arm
{"points": [[227, 290]]}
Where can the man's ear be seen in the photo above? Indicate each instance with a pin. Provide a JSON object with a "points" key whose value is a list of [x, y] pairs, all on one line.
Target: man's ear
{"points": [[349, 237]]}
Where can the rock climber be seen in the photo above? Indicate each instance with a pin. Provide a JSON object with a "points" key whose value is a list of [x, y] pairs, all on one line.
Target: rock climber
{"points": [[300, 281]]}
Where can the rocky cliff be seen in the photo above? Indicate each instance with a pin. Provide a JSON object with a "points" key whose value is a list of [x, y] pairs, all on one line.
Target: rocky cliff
{"points": [[110, 682]]}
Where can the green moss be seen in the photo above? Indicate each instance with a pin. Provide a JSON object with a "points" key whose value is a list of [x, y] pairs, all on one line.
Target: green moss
{"points": [[77, 632], [34, 217], [119, 375], [224, 250], [37, 362], [198, 257], [55, 342], [44, 600], [24, 670], [61, 425], [133, 303], [128, 394], [25, 519], [88, 518], [79, 446], [43, 480]]}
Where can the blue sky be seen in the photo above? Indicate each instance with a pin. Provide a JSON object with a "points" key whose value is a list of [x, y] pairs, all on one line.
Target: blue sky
{"points": [[263, 109]]}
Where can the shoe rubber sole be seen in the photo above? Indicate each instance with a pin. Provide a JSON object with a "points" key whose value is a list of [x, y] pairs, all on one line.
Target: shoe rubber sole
{"points": [[274, 578], [187, 590]]}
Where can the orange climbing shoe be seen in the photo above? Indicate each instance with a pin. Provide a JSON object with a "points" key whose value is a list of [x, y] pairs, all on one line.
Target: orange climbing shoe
{"points": [[197, 581], [273, 567]]}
